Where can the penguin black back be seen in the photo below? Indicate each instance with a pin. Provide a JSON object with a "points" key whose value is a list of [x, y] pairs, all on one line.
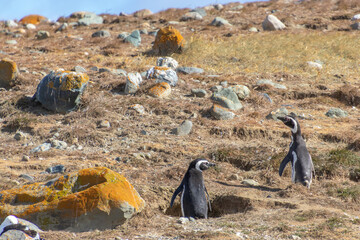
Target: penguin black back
{"points": [[298, 155], [193, 191]]}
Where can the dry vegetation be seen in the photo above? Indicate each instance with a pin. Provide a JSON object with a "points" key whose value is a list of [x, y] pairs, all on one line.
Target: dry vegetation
{"points": [[247, 147]]}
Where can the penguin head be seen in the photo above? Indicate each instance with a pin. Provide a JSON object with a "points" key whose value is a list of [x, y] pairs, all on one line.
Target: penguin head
{"points": [[291, 122], [200, 164]]}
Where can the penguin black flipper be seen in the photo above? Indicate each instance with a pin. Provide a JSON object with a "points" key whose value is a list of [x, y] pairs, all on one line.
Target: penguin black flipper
{"points": [[177, 191], [208, 198], [284, 162]]}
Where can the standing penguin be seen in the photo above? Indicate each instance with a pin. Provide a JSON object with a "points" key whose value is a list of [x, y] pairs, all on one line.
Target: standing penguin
{"points": [[192, 188], [298, 155]]}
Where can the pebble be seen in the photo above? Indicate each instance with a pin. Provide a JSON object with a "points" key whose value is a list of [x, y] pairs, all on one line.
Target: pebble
{"points": [[27, 177], [314, 65], [269, 82], [42, 35], [79, 69], [25, 158], [56, 169], [104, 124], [183, 220], [101, 33], [19, 136], [277, 113], [216, 88], [138, 108], [198, 92], [42, 148], [57, 144], [250, 182], [184, 128], [30, 26]]}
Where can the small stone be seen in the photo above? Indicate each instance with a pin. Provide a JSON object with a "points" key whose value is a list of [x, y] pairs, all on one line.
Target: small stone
{"points": [[104, 124], [56, 169], [234, 177], [57, 144], [101, 33], [19, 136], [42, 35], [281, 112], [160, 90], [134, 38], [190, 70], [138, 108], [314, 65], [336, 113], [133, 81], [184, 128], [253, 29], [355, 17], [80, 69], [269, 82], [41, 148], [218, 21], [30, 26], [25, 158], [27, 177], [183, 220], [221, 113], [143, 132], [62, 27], [272, 23], [198, 92], [250, 182]]}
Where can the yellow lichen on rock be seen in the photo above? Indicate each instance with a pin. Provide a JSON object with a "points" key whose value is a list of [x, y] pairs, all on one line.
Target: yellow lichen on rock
{"points": [[160, 90], [168, 40], [33, 19], [8, 73], [72, 196]]}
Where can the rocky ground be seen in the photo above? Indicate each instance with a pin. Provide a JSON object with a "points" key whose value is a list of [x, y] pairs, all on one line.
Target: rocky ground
{"points": [[250, 146]]}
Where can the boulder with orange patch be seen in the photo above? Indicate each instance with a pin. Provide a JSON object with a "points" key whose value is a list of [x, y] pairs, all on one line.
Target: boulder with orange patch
{"points": [[33, 19], [8, 73], [168, 40], [160, 90], [93, 198]]}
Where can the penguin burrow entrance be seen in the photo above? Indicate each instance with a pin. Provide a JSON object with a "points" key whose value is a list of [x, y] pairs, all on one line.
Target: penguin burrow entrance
{"points": [[220, 205]]}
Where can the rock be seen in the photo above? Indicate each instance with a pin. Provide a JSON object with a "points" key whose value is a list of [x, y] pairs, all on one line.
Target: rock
{"points": [[272, 23], [238, 7], [314, 65], [227, 98], [281, 112], [80, 14], [241, 91], [89, 19], [123, 35], [133, 81], [218, 6], [253, 29], [138, 108], [234, 177], [183, 220], [160, 90], [184, 128], [27, 177], [8, 73], [58, 144], [94, 198], [190, 70], [168, 40], [42, 35], [18, 234], [200, 11], [30, 26], [11, 42], [191, 16], [355, 26], [209, 8], [295, 237], [32, 19], [336, 113], [134, 38], [19, 136], [221, 113], [104, 124], [143, 13], [355, 17], [62, 27], [167, 62], [198, 92], [10, 24], [41, 148], [224, 84], [163, 74], [101, 33], [79, 69], [216, 88], [119, 72], [25, 158], [218, 21], [61, 91], [144, 31], [250, 182], [269, 82], [56, 169]]}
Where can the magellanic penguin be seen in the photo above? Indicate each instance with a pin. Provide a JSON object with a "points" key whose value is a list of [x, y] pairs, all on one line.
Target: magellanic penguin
{"points": [[298, 155], [193, 191]]}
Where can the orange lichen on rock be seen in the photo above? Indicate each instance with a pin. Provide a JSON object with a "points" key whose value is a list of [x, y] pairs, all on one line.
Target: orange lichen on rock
{"points": [[8, 73], [160, 90], [168, 40], [89, 192], [33, 19]]}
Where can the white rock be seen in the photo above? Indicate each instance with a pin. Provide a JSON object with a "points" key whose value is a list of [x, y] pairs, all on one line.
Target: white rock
{"points": [[272, 23], [314, 65], [167, 62], [30, 26], [133, 81], [355, 17], [10, 23]]}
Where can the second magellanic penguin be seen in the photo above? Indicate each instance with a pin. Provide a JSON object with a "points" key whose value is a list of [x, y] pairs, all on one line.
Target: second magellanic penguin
{"points": [[193, 191], [302, 166]]}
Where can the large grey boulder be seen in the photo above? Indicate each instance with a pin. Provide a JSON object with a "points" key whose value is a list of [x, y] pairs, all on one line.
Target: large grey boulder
{"points": [[227, 98], [272, 23]]}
